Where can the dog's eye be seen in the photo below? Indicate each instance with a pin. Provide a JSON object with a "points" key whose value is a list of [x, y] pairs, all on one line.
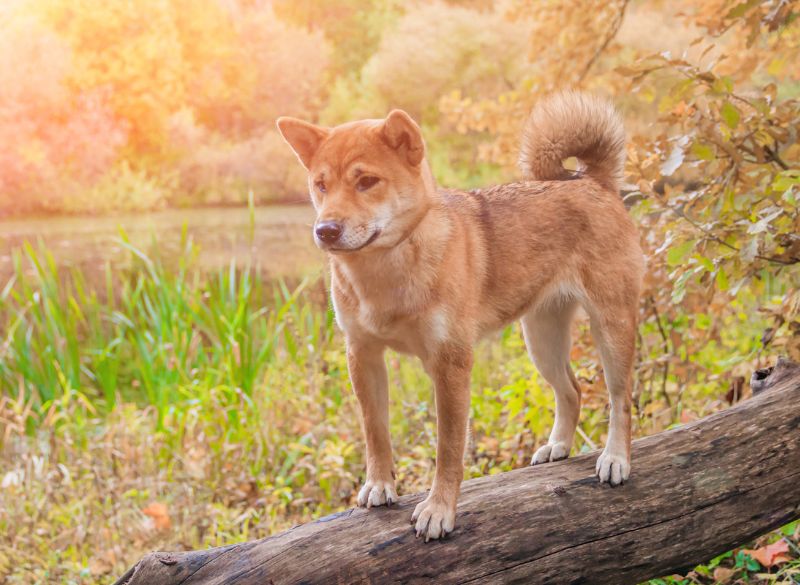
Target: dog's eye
{"points": [[321, 186], [366, 182]]}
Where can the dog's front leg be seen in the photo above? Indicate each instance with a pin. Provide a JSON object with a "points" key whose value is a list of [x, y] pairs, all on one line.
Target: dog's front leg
{"points": [[368, 376], [435, 516]]}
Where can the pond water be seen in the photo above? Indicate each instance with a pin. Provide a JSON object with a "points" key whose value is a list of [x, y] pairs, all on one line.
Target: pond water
{"points": [[279, 243]]}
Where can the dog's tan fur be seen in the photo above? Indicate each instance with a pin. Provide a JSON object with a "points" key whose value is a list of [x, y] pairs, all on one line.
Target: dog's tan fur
{"points": [[428, 272]]}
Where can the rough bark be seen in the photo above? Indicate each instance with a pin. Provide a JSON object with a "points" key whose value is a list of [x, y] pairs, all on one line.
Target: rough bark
{"points": [[695, 492]]}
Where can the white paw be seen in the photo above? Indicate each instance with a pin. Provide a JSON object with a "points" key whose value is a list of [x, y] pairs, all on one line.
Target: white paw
{"points": [[554, 452], [377, 493], [434, 518], [612, 469]]}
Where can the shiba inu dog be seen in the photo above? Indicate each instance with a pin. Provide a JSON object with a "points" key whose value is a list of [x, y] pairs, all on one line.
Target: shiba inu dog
{"points": [[428, 271]]}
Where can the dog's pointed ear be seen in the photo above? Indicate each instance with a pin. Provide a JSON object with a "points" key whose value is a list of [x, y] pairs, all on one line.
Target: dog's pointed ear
{"points": [[303, 137], [402, 134]]}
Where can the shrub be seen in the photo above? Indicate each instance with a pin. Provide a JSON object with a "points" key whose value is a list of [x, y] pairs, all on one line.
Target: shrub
{"points": [[122, 188], [480, 53], [214, 169], [288, 64], [56, 143]]}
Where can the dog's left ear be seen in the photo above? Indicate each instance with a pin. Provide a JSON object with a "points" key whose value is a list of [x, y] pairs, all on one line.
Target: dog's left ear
{"points": [[402, 134], [303, 137]]}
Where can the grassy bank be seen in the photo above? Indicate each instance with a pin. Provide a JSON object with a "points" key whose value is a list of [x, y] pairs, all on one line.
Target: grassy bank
{"points": [[173, 407]]}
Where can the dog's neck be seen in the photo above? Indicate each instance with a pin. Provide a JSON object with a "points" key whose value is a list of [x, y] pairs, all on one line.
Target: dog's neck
{"points": [[419, 252]]}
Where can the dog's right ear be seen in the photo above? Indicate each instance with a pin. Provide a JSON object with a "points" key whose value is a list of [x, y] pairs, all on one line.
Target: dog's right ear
{"points": [[303, 137]]}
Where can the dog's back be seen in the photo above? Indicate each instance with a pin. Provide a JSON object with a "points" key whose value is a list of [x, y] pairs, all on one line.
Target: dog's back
{"points": [[559, 233]]}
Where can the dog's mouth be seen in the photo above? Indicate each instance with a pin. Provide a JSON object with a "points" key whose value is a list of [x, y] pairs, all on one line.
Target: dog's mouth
{"points": [[371, 239]]}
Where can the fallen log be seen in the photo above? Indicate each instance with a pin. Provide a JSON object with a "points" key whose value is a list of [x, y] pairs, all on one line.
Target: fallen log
{"points": [[695, 492]]}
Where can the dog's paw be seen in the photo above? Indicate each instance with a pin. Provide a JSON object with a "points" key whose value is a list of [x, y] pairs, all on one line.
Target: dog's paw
{"points": [[377, 493], [434, 518], [550, 452], [612, 469]]}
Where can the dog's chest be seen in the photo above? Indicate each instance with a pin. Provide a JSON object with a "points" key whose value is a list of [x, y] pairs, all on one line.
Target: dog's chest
{"points": [[395, 328], [399, 330], [394, 312]]}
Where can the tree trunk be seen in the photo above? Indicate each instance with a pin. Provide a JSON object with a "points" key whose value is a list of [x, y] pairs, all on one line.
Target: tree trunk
{"points": [[695, 492]]}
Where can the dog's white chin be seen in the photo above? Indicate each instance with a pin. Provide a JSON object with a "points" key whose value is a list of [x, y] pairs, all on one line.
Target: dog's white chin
{"points": [[344, 249]]}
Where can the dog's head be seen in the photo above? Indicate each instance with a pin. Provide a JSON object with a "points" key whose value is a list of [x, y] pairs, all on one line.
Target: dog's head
{"points": [[368, 179]]}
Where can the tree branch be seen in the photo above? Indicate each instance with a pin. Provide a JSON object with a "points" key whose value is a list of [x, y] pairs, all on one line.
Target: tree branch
{"points": [[612, 33]]}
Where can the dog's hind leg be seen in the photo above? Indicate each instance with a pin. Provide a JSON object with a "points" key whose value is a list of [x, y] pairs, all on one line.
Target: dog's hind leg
{"points": [[614, 333], [547, 335]]}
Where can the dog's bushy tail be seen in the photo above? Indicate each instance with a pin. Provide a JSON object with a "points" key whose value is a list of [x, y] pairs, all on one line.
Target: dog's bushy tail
{"points": [[570, 124]]}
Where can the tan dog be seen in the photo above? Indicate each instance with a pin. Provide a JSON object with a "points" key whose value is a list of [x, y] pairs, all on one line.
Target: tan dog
{"points": [[428, 272]]}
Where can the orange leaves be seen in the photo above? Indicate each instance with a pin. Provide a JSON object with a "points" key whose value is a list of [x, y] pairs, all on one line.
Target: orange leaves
{"points": [[159, 514], [772, 554]]}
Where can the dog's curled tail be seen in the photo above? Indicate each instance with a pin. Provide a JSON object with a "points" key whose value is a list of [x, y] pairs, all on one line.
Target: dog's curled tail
{"points": [[570, 124]]}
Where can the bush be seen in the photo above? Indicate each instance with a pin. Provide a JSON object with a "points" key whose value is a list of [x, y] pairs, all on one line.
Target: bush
{"points": [[288, 64], [55, 143], [122, 188], [96, 120], [479, 53], [212, 169]]}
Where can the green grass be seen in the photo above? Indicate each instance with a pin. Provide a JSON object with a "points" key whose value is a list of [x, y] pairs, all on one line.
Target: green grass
{"points": [[151, 333], [225, 397]]}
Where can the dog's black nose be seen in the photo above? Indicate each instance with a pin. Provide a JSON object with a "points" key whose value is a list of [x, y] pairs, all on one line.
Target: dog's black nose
{"points": [[328, 231]]}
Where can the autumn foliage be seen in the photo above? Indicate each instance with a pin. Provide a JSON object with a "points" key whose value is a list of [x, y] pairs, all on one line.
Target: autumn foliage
{"points": [[713, 169], [175, 100]]}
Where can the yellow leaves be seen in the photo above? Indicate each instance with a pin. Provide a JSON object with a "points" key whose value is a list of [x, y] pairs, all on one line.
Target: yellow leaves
{"points": [[762, 137], [721, 85], [776, 67], [133, 49], [703, 151], [730, 114], [721, 280], [741, 9]]}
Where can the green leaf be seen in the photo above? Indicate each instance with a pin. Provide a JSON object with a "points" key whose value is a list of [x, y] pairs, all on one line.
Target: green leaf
{"points": [[677, 253], [702, 321], [786, 180], [679, 289], [703, 151], [741, 9], [705, 262], [722, 280], [723, 85], [789, 529], [730, 114]]}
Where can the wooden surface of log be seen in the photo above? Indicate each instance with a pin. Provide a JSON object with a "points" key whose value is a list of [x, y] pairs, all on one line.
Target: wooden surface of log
{"points": [[695, 492]]}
